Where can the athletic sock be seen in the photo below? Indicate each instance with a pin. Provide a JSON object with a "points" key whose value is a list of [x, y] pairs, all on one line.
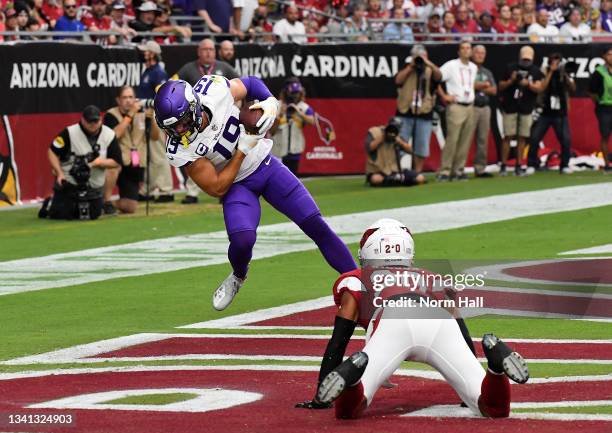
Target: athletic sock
{"points": [[240, 251], [335, 251], [494, 398]]}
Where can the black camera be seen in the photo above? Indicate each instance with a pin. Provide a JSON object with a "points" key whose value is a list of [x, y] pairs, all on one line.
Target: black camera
{"points": [[419, 64], [392, 129], [81, 172], [145, 104]]}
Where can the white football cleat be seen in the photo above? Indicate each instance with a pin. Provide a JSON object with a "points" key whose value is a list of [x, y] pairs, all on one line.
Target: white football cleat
{"points": [[225, 293]]}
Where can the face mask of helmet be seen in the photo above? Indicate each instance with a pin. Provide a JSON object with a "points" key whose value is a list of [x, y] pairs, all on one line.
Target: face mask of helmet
{"points": [[178, 111]]}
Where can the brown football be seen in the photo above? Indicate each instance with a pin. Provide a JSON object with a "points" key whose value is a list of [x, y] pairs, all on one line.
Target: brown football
{"points": [[249, 117]]}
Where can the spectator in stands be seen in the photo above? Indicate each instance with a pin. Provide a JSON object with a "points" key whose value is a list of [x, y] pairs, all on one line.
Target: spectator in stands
{"points": [[128, 120], [606, 15], [376, 11], [519, 87], [464, 24], [119, 23], [460, 76], [97, 20], [217, 14], [226, 52], [504, 22], [10, 23], [434, 24], [430, 8], [247, 13], [556, 88], [290, 28], [407, 6], [382, 146], [556, 16], [205, 64], [529, 6], [517, 18], [600, 89], [293, 116], [336, 24], [575, 29], [23, 14], [486, 89], [261, 24], [485, 25], [145, 22], [154, 76], [33, 25], [529, 18], [590, 15], [416, 83], [448, 22], [51, 11], [541, 31], [395, 31], [68, 22]]}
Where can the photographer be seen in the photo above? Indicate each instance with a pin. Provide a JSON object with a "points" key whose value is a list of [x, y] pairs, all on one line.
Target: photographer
{"points": [[382, 145], [519, 89], [79, 157], [293, 116], [130, 120], [160, 176], [556, 87], [416, 83], [600, 89]]}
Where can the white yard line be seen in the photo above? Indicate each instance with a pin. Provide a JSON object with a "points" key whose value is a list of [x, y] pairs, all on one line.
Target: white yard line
{"points": [[454, 411], [601, 249], [160, 255]]}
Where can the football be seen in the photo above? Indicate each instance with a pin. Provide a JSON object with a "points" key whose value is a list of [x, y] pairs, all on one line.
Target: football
{"points": [[249, 118]]}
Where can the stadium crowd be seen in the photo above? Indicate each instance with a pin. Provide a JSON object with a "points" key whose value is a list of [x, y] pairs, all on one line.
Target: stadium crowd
{"points": [[309, 20]]}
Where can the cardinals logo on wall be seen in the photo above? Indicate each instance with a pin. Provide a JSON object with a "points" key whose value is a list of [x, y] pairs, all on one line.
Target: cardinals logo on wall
{"points": [[9, 182], [325, 129]]}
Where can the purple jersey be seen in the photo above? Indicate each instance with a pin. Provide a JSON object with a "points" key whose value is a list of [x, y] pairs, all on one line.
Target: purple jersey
{"points": [[556, 14]]}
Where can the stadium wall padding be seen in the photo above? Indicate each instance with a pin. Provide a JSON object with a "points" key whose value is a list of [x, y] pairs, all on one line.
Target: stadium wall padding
{"points": [[45, 85]]}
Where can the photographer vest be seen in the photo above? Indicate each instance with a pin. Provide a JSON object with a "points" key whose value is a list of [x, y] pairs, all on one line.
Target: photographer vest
{"points": [[606, 97], [407, 93], [289, 137], [386, 159], [133, 138], [80, 145]]}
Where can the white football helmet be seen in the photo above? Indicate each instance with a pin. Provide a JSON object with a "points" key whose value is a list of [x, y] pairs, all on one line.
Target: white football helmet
{"points": [[386, 243]]}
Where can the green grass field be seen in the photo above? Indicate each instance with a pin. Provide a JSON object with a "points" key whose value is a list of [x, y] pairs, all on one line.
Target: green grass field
{"points": [[40, 321]]}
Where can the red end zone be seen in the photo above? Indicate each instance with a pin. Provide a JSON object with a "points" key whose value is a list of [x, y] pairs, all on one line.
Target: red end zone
{"points": [[274, 412]]}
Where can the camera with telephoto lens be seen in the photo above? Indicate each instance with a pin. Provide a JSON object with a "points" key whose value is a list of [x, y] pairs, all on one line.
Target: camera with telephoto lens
{"points": [[392, 130], [81, 171], [565, 66], [146, 104], [419, 64]]}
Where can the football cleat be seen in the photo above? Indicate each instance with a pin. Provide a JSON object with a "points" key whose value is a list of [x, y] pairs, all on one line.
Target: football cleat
{"points": [[502, 359], [346, 374], [225, 293]]}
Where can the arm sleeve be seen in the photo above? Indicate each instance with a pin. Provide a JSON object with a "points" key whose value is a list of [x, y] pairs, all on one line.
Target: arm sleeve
{"points": [[310, 111], [256, 89], [114, 152], [445, 70], [110, 121], [343, 331], [61, 145]]}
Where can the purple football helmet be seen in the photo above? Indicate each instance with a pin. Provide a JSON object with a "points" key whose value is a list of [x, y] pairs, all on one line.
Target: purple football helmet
{"points": [[178, 110]]}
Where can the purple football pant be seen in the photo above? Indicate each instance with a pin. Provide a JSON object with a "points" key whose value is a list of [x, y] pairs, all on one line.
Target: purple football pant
{"points": [[280, 188]]}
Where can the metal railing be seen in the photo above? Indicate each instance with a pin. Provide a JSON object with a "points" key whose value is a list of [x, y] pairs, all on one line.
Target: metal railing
{"points": [[421, 37]]}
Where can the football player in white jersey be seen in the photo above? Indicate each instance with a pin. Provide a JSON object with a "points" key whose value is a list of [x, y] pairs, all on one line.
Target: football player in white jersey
{"points": [[205, 136], [396, 332]]}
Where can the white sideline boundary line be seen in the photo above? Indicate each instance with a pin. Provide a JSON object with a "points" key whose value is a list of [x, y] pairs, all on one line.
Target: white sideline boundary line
{"points": [[88, 353], [70, 269]]}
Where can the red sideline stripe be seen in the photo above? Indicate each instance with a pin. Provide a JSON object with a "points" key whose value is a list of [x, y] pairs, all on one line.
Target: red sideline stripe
{"points": [[274, 413], [597, 271], [308, 347]]}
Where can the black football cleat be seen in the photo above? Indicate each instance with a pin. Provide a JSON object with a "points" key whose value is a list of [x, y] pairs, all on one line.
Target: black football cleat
{"points": [[502, 359], [346, 374]]}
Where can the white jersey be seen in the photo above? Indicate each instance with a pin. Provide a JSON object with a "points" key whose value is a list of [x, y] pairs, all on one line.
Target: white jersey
{"points": [[219, 140]]}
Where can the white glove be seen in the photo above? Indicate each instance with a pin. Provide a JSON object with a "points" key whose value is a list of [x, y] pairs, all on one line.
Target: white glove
{"points": [[246, 141], [270, 110]]}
